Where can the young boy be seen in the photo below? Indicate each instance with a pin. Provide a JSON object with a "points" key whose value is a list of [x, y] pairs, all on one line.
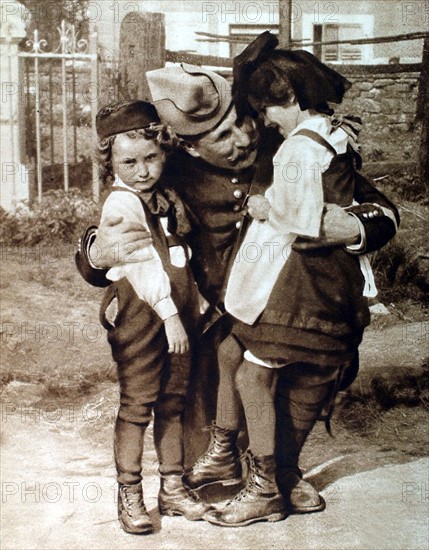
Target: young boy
{"points": [[149, 310]]}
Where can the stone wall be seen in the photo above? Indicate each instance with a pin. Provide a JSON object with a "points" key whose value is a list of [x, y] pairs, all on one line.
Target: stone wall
{"points": [[385, 97]]}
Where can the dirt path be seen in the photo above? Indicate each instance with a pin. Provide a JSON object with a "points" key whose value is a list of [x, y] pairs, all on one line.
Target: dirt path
{"points": [[59, 490], [59, 401]]}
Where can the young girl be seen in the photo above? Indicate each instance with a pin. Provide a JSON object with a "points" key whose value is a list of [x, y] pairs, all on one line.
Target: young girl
{"points": [[297, 304], [149, 311]]}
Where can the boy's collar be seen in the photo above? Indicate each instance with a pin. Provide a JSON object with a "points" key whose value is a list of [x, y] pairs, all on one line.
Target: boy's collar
{"points": [[165, 203], [154, 199], [119, 183]]}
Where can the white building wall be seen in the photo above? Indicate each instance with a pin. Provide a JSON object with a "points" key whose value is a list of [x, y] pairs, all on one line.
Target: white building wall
{"points": [[185, 17]]}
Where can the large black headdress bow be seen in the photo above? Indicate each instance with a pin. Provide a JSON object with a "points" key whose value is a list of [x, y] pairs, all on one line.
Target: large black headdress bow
{"points": [[260, 68], [244, 65]]}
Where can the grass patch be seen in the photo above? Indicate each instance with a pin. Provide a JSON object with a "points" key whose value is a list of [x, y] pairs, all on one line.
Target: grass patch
{"points": [[364, 409]]}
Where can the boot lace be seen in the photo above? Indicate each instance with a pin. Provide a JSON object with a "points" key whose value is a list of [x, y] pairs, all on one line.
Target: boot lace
{"points": [[213, 440], [251, 483], [133, 500]]}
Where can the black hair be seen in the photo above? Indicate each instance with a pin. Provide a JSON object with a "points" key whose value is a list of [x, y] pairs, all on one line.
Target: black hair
{"points": [[264, 76], [269, 86]]}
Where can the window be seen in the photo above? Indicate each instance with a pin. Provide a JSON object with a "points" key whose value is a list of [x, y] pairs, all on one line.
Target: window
{"points": [[344, 53], [247, 33]]}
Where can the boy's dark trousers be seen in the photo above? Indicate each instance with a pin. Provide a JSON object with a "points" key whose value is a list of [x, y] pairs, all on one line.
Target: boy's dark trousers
{"points": [[150, 380], [129, 439]]}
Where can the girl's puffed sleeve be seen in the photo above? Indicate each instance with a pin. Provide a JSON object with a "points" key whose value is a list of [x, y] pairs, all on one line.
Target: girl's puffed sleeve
{"points": [[296, 196]]}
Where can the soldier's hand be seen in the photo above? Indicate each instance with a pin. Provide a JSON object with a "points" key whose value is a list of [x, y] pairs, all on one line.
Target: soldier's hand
{"points": [[117, 241], [338, 227]]}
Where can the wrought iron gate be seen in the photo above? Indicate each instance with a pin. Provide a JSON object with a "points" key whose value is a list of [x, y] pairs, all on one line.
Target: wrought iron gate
{"points": [[57, 110]]}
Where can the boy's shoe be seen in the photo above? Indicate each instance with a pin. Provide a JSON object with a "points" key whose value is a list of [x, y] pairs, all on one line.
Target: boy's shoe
{"points": [[260, 500], [132, 513], [174, 499], [219, 464]]}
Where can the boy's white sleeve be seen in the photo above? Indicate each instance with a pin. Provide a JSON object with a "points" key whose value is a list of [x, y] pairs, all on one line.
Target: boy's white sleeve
{"points": [[296, 196], [147, 276]]}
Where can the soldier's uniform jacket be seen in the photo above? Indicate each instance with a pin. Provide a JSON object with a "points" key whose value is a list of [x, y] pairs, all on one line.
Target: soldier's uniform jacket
{"points": [[214, 199]]}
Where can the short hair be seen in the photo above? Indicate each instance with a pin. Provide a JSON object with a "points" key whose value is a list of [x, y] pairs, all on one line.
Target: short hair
{"points": [[275, 76]]}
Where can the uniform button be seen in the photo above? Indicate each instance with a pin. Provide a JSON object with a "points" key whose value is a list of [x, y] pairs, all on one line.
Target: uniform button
{"points": [[238, 194], [234, 180], [238, 225], [236, 207]]}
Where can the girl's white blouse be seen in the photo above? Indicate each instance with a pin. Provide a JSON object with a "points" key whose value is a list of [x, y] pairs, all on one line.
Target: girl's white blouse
{"points": [[296, 199]]}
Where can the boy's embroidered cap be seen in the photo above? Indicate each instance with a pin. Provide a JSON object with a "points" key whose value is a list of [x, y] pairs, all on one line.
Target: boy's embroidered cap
{"points": [[124, 117], [192, 100]]}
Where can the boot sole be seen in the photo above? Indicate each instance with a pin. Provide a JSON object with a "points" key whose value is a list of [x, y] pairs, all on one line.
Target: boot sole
{"points": [[175, 513], [310, 509], [278, 516], [223, 482], [136, 531]]}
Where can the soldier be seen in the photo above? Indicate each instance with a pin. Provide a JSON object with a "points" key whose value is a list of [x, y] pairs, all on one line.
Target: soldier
{"points": [[221, 163]]}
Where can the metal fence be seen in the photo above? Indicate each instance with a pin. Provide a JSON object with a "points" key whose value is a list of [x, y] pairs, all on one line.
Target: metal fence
{"points": [[61, 92]]}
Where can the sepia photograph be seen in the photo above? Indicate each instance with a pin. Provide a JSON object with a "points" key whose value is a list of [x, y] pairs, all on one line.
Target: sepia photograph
{"points": [[214, 275]]}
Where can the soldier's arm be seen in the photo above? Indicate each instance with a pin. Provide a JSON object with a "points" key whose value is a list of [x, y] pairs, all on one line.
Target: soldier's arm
{"points": [[378, 216], [112, 244]]}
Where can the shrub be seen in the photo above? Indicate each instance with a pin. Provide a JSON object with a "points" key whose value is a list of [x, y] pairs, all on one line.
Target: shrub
{"points": [[80, 176], [60, 217], [401, 271], [400, 182]]}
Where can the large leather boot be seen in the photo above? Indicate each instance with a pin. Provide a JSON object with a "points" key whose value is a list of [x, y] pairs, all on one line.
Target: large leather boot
{"points": [[132, 513], [174, 499], [299, 495], [221, 462], [259, 500]]}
